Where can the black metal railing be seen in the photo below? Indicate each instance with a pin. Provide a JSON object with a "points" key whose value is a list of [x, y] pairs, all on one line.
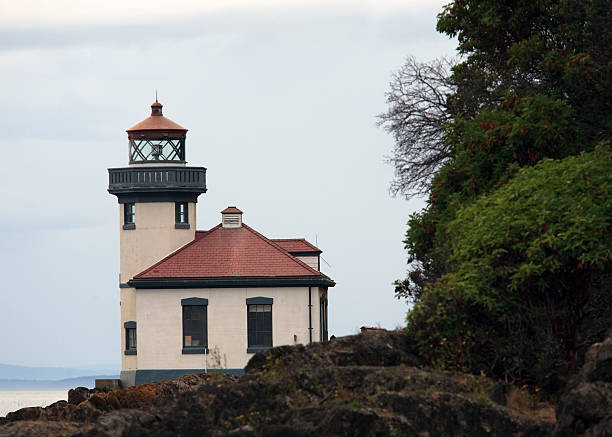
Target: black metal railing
{"points": [[157, 178]]}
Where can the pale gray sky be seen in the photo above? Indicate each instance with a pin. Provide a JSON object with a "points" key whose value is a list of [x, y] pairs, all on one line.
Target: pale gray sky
{"points": [[280, 99]]}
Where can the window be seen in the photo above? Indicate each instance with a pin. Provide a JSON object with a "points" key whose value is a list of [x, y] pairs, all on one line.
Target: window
{"points": [[323, 318], [164, 150], [259, 323], [130, 338], [181, 213], [129, 215], [195, 332]]}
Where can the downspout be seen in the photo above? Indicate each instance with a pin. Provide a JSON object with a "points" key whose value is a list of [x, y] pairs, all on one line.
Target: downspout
{"points": [[309, 316]]}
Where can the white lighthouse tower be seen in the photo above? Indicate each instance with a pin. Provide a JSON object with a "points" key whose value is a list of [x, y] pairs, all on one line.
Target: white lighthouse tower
{"points": [[157, 195]]}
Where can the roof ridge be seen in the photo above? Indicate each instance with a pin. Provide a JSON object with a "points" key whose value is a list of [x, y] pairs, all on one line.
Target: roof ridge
{"points": [[185, 246], [283, 251]]}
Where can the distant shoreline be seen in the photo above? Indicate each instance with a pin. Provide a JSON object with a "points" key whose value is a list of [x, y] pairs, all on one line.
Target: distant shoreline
{"points": [[61, 384]]}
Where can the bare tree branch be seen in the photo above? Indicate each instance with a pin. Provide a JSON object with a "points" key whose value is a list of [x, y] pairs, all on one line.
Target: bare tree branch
{"points": [[417, 111]]}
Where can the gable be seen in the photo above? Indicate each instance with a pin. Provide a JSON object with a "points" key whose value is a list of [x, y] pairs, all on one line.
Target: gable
{"points": [[230, 253]]}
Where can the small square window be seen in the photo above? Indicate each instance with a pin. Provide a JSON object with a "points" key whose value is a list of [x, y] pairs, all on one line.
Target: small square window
{"points": [[130, 338], [181, 213], [129, 213]]}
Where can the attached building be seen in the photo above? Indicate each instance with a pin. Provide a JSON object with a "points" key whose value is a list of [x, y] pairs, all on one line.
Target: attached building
{"points": [[198, 300]]}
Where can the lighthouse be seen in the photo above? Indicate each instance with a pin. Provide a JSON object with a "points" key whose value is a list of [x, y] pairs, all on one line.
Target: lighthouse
{"points": [[157, 194], [201, 300]]}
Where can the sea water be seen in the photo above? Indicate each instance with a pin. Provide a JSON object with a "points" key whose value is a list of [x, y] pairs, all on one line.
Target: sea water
{"points": [[12, 400]]}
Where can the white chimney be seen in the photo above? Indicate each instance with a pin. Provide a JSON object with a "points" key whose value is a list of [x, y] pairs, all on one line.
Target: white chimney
{"points": [[231, 217]]}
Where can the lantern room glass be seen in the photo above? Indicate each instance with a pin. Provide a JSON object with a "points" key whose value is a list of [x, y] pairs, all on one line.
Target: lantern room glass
{"points": [[157, 150]]}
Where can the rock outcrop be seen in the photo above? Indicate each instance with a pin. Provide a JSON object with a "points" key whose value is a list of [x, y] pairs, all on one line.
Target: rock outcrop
{"points": [[364, 385], [586, 408]]}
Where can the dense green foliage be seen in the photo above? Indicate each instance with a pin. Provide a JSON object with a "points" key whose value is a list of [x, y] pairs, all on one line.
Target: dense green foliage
{"points": [[559, 48], [522, 262], [506, 255]]}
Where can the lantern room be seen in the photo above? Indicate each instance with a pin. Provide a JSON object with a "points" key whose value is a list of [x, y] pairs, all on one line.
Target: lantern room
{"points": [[157, 139]]}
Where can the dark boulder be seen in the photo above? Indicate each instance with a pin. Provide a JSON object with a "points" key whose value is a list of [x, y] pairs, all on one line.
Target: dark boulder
{"points": [[364, 385], [78, 395], [586, 408], [372, 348]]}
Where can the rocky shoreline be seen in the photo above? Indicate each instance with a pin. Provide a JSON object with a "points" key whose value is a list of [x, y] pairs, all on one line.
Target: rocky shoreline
{"points": [[363, 385]]}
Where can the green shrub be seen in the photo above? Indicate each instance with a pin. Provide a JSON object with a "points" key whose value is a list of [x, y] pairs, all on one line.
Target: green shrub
{"points": [[521, 265]]}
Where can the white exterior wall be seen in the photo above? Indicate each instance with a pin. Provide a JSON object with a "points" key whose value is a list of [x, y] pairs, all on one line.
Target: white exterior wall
{"points": [[160, 325], [311, 261], [154, 238], [128, 313]]}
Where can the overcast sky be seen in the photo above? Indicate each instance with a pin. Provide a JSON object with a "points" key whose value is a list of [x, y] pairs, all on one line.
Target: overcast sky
{"points": [[280, 99]]}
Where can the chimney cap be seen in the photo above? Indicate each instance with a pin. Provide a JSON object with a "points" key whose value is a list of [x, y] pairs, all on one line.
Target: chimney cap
{"points": [[231, 210]]}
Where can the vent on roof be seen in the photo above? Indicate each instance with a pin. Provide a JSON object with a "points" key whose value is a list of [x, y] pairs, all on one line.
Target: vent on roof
{"points": [[231, 217]]}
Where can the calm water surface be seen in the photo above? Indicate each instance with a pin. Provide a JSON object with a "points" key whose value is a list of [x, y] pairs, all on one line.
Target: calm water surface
{"points": [[11, 400]]}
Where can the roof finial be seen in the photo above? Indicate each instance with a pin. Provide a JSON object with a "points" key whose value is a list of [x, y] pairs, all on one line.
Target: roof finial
{"points": [[156, 94]]}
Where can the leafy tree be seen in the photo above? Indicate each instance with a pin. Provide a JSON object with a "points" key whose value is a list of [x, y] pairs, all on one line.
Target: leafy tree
{"points": [[534, 83], [523, 259], [559, 48]]}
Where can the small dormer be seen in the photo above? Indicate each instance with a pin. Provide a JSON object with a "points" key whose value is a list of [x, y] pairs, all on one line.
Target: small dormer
{"points": [[231, 217]]}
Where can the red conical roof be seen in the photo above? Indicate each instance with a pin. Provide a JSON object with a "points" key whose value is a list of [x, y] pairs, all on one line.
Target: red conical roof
{"points": [[156, 122]]}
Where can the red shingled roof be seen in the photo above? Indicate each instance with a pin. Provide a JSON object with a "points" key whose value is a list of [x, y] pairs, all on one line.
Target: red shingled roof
{"points": [[200, 234], [229, 252], [296, 245]]}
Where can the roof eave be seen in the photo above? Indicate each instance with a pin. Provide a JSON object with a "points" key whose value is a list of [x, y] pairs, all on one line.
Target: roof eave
{"points": [[231, 282], [136, 130], [305, 252], [156, 123]]}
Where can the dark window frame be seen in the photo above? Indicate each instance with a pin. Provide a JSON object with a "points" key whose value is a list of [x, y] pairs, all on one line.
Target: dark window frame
{"points": [[130, 328], [189, 305], [129, 215], [323, 320], [181, 217], [259, 324]]}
